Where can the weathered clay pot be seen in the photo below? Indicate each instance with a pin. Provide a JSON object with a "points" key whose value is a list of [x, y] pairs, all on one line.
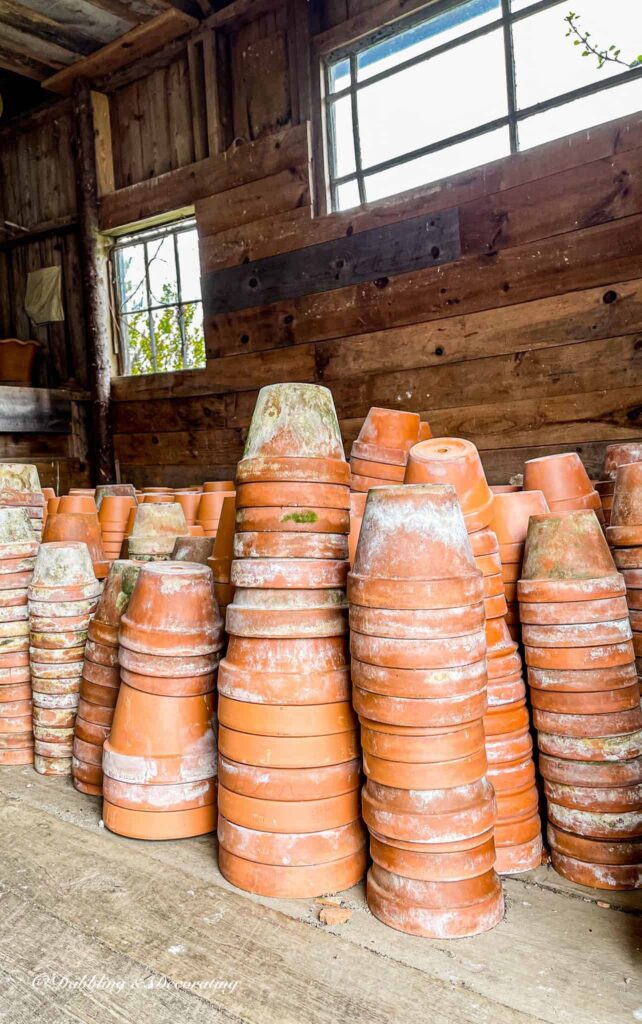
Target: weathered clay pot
{"points": [[451, 460], [220, 561], [159, 498], [192, 549], [294, 420], [293, 818], [299, 495], [587, 634], [287, 613], [511, 513], [620, 454], [16, 536], [172, 611], [626, 515], [317, 654], [167, 824], [291, 545], [387, 436], [117, 490], [392, 652], [461, 681], [292, 518], [61, 567], [426, 624], [560, 477], [325, 686], [189, 502], [166, 666], [288, 751], [289, 784], [297, 573], [164, 520], [573, 612], [80, 527], [382, 472], [601, 656], [444, 816], [218, 485], [419, 713], [293, 882], [76, 503], [290, 469]]}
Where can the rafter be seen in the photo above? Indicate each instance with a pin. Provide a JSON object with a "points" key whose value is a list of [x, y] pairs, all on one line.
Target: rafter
{"points": [[18, 16], [21, 65], [30, 46]]}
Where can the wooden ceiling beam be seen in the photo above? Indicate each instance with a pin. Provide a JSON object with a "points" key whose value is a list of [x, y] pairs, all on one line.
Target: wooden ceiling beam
{"points": [[21, 65], [34, 48], [138, 43], [17, 16]]}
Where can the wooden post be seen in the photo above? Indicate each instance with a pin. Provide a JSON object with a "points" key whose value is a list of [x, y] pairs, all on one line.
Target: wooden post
{"points": [[94, 284]]}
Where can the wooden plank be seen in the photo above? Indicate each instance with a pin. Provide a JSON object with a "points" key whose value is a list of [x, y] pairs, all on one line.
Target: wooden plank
{"points": [[22, 65], [238, 12], [44, 50], [249, 241], [180, 188], [137, 43], [141, 416], [180, 448], [179, 112], [105, 180], [176, 476], [19, 16], [34, 411], [197, 97], [376, 18], [369, 256], [576, 260], [215, 134], [255, 201]]}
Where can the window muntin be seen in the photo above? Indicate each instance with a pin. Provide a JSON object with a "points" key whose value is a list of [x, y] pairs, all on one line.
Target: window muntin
{"points": [[465, 77], [158, 297]]}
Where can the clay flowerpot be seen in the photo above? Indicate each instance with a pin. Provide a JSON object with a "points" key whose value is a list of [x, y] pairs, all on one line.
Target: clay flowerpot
{"points": [[172, 611], [511, 514], [566, 555], [220, 561], [17, 476], [294, 420], [63, 569], [217, 485], [560, 477], [192, 549], [287, 613], [625, 527], [17, 541], [297, 573], [387, 436], [189, 502], [82, 527], [620, 454], [379, 471], [118, 490], [155, 529], [291, 545], [114, 512], [416, 537], [451, 460], [77, 503], [210, 506]]}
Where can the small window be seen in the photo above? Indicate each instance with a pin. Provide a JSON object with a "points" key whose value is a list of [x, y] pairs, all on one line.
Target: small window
{"points": [[158, 293], [470, 82]]}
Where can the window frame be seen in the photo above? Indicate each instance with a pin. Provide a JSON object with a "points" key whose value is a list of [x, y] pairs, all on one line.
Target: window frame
{"points": [[148, 235], [349, 51]]}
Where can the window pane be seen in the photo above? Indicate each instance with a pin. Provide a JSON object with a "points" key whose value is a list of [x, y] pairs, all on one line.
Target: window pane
{"points": [[130, 267], [162, 270], [137, 341], [547, 64], [342, 134], [464, 18], [520, 5], [194, 336], [573, 117], [433, 100], [189, 264], [347, 196], [167, 334], [339, 75], [438, 165]]}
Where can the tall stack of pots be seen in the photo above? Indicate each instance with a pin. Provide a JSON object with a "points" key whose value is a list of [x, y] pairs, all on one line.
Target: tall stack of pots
{"points": [[380, 452], [585, 696], [518, 837], [220, 560], [100, 679], [112, 517], [18, 549], [20, 488], [159, 761], [624, 534], [289, 766], [63, 594], [509, 523], [564, 483], [419, 687]]}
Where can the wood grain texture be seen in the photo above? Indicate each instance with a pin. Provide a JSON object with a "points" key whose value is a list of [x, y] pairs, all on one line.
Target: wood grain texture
{"points": [[34, 411]]}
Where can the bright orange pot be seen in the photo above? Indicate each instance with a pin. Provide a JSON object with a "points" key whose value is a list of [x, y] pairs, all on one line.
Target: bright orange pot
{"points": [[386, 436], [451, 460], [559, 477], [289, 784], [291, 518]]}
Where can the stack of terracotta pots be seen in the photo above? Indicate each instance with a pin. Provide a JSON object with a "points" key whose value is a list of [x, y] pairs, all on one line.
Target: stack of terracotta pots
{"points": [[18, 549], [509, 523], [189, 502], [419, 687], [616, 455], [62, 597], [20, 488], [564, 483], [74, 520], [159, 762], [48, 493], [585, 697], [154, 531], [210, 506], [220, 560], [624, 534], [289, 768], [380, 452], [113, 515], [357, 508], [100, 679], [518, 837]]}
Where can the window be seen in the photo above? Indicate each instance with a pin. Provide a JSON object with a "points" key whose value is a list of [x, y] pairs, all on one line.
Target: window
{"points": [[158, 294], [470, 82]]}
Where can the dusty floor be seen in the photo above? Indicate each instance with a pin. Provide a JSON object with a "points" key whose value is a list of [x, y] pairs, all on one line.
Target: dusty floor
{"points": [[96, 928]]}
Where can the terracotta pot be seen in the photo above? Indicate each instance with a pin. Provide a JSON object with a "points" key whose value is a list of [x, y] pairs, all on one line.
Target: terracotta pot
{"points": [[591, 774], [380, 471], [589, 703], [322, 687], [620, 454], [76, 503], [16, 535], [559, 477], [432, 712], [418, 860], [298, 573], [590, 726], [61, 568], [461, 681], [395, 653], [582, 680], [218, 485], [288, 752], [159, 824], [595, 825], [101, 696], [114, 490], [628, 558], [189, 502], [158, 499], [168, 799], [386, 436], [192, 549], [597, 876], [209, 507], [292, 817], [566, 546], [279, 615], [599, 656], [288, 469], [587, 634], [160, 739], [626, 516], [412, 775], [588, 501], [317, 654], [291, 518], [289, 784], [164, 520], [456, 462], [155, 490], [573, 612], [622, 746], [164, 666], [557, 591], [426, 746], [284, 720], [454, 816], [114, 513], [220, 560], [290, 545], [593, 850], [416, 537], [426, 624], [294, 420], [293, 882], [299, 495], [296, 849], [172, 611]]}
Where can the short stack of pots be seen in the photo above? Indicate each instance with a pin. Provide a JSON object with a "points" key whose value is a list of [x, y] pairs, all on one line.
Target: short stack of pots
{"points": [[112, 516], [564, 483], [220, 560], [509, 523], [76, 520], [100, 679], [418, 649], [518, 834], [20, 488], [585, 698], [289, 766], [616, 455], [18, 549], [154, 531], [380, 452], [159, 761], [63, 594], [624, 535]]}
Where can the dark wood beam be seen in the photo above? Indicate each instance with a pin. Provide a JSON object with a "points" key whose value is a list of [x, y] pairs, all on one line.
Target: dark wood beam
{"points": [[94, 282], [21, 65], [41, 26], [34, 411], [28, 45]]}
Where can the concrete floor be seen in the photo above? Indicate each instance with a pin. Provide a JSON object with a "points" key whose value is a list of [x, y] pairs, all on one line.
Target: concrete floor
{"points": [[96, 929]]}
